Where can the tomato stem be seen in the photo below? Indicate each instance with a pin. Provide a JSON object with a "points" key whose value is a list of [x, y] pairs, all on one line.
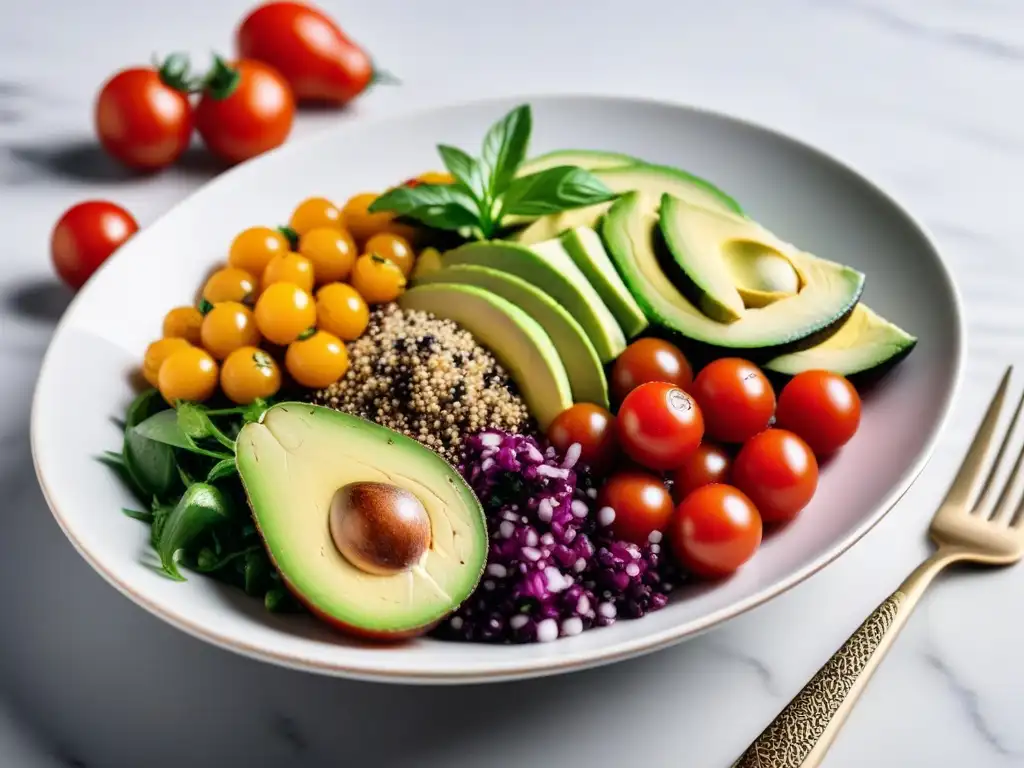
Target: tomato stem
{"points": [[174, 72], [291, 236], [383, 77], [222, 79]]}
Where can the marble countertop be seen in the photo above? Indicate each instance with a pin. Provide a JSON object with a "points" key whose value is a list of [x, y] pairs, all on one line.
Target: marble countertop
{"points": [[924, 97]]}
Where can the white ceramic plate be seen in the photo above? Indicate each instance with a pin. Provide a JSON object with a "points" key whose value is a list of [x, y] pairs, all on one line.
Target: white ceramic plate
{"points": [[803, 195]]}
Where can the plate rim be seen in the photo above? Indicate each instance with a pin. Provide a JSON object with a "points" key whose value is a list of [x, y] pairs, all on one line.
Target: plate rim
{"points": [[588, 659]]}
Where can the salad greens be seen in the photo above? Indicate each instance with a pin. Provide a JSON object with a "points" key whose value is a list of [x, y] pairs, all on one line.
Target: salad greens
{"points": [[486, 188], [180, 464]]}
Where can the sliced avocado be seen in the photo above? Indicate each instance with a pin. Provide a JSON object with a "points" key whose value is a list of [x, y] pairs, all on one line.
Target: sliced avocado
{"points": [[516, 340], [590, 159], [865, 343], [583, 366], [651, 180], [585, 248], [830, 293], [551, 269], [292, 464]]}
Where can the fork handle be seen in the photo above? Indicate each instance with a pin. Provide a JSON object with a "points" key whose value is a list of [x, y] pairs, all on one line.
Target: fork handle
{"points": [[802, 733]]}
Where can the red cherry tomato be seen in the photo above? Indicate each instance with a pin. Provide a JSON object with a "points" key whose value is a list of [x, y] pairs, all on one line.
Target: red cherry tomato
{"points": [[649, 360], [779, 473], [85, 236], [736, 399], [143, 116], [310, 51], [640, 502], [660, 426], [821, 407], [593, 428], [247, 109], [715, 530], [710, 463]]}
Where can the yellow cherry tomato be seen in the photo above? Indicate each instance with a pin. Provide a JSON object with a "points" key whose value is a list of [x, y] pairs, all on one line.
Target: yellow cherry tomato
{"points": [[157, 353], [290, 268], [363, 225], [188, 374], [318, 361], [315, 212], [249, 373], [283, 312], [342, 311], [230, 284], [253, 248], [332, 253], [394, 248], [377, 279], [436, 177], [228, 326], [183, 323]]}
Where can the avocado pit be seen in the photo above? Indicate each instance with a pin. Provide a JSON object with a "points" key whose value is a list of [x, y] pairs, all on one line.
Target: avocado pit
{"points": [[380, 528]]}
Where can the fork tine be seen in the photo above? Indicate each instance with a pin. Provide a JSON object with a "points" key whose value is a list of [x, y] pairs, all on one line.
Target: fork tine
{"points": [[980, 506], [1006, 505], [959, 492]]}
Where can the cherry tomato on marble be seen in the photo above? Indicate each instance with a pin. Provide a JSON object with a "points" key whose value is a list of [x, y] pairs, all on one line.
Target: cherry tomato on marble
{"points": [[317, 361], [85, 236], [290, 268], [228, 326], [592, 428], [647, 360], [253, 248], [342, 311], [710, 463], [363, 225], [394, 248], [230, 284], [184, 323], [331, 251], [377, 279], [315, 212], [320, 63], [736, 398], [778, 472], [143, 115], [249, 373], [283, 312], [246, 109], [659, 425], [821, 407], [715, 530], [639, 503], [188, 374], [157, 353]]}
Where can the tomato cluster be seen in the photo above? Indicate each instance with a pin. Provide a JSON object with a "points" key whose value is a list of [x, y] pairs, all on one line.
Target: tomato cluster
{"points": [[709, 442]]}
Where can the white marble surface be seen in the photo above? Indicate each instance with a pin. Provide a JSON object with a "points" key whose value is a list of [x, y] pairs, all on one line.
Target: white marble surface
{"points": [[923, 95]]}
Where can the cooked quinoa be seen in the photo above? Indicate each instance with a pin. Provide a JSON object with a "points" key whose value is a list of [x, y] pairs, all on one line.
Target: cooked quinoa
{"points": [[426, 378]]}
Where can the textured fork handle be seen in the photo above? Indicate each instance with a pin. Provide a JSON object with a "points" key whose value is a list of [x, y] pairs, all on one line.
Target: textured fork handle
{"points": [[805, 729]]}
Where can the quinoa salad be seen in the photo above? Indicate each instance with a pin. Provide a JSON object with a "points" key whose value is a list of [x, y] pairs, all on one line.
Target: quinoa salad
{"points": [[509, 402]]}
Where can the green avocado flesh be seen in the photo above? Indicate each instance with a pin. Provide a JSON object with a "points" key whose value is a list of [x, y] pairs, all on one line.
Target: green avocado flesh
{"points": [[829, 294], [517, 341], [650, 180], [583, 366], [585, 248], [590, 159], [550, 268], [864, 343], [291, 465]]}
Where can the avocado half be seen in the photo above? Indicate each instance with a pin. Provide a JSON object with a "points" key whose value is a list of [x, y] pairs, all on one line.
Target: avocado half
{"points": [[830, 291], [865, 344], [292, 463], [517, 341]]}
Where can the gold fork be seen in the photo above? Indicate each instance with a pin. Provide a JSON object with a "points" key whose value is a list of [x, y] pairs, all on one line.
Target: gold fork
{"points": [[988, 532]]}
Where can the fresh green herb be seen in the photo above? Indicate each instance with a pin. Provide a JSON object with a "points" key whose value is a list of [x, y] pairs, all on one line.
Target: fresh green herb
{"points": [[222, 469], [486, 189], [150, 465], [135, 514], [201, 507], [257, 572], [165, 428]]}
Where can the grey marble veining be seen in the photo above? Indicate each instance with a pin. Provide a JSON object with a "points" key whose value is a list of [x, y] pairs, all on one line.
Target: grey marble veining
{"points": [[923, 96]]}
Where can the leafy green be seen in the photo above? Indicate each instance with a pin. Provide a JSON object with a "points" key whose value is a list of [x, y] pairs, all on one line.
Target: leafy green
{"points": [[465, 169], [201, 507], [553, 190], [150, 465], [222, 469], [505, 148], [166, 428], [257, 572]]}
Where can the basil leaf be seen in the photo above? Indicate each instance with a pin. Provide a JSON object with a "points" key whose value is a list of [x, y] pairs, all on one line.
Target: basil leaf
{"points": [[402, 200], [164, 428], [554, 189], [221, 469], [201, 507], [193, 421], [464, 168], [505, 148], [449, 216], [150, 465]]}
